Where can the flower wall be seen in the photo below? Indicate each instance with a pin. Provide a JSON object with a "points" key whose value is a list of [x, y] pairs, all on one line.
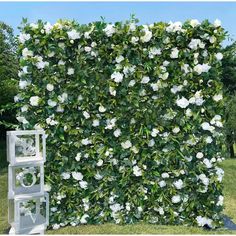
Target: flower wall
{"points": [[133, 118]]}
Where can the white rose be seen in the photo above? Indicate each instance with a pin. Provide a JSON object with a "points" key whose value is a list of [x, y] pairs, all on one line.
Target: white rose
{"points": [[65, 175], [78, 156], [86, 114], [154, 87], [165, 175], [23, 37], [70, 71], [119, 59], [102, 108], [50, 87], [117, 77], [23, 84], [100, 162], [176, 199], [147, 36], [217, 23], [176, 130], [73, 34], [117, 132], [109, 30], [137, 171], [145, 80], [127, 144], [178, 184], [199, 155], [219, 56], [86, 141], [77, 175], [194, 23], [87, 49], [52, 103], [83, 184], [95, 123], [162, 183], [134, 40], [217, 97], [34, 101], [174, 53], [183, 102], [131, 83]]}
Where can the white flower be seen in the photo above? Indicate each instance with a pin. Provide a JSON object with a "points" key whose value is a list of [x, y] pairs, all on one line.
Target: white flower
{"points": [[23, 84], [112, 91], [52, 103], [176, 89], [179, 184], [61, 63], [70, 71], [83, 219], [127, 144], [134, 150], [154, 86], [117, 132], [65, 175], [116, 207], [153, 52], [174, 53], [117, 77], [110, 123], [22, 119], [134, 40], [151, 143], [209, 139], [145, 80], [62, 98], [87, 49], [176, 130], [34, 101], [86, 141], [174, 27], [165, 175], [147, 36], [50, 87], [164, 76], [217, 97], [204, 179], [100, 162], [161, 211], [201, 68], [212, 39], [203, 221], [137, 171], [55, 226], [199, 155], [23, 37], [78, 156], [86, 114], [119, 59], [48, 27], [27, 53], [207, 126], [131, 83], [176, 199], [95, 123], [207, 163], [183, 102], [162, 183], [109, 30], [154, 132], [194, 23], [188, 112], [102, 108], [24, 108], [83, 184], [73, 34], [217, 23], [77, 175], [219, 56], [220, 201]]}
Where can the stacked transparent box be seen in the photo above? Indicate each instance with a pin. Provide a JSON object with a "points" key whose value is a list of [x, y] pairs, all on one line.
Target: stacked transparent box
{"points": [[28, 211]]}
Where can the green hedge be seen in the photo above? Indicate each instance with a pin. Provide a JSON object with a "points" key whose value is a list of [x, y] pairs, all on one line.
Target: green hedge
{"points": [[133, 117]]}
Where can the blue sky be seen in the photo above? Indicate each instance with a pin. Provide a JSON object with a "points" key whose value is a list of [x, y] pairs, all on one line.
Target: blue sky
{"points": [[146, 12]]}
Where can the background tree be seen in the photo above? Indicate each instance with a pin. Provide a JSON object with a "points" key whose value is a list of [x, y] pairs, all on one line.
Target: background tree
{"points": [[229, 81], [8, 76]]}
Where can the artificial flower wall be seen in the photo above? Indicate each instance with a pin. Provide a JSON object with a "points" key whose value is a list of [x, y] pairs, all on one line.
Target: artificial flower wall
{"points": [[133, 115]]}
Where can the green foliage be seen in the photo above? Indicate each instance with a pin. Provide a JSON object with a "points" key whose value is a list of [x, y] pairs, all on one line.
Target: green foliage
{"points": [[8, 74], [132, 115]]}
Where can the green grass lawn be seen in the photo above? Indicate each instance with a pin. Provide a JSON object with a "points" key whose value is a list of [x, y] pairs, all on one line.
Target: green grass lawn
{"points": [[230, 210]]}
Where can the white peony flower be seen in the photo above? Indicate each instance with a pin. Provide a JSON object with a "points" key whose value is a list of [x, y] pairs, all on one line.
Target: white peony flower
{"points": [[194, 23], [217, 97], [65, 175], [109, 30], [117, 132], [119, 59], [162, 183], [174, 53], [102, 108], [127, 144], [199, 155], [100, 162], [86, 114], [73, 34], [34, 101], [95, 123], [70, 71], [176, 199], [183, 102], [145, 80], [52, 103], [117, 77], [179, 184], [134, 40], [86, 141], [137, 171], [77, 175], [83, 184], [217, 23], [78, 156], [50, 87], [219, 56]]}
